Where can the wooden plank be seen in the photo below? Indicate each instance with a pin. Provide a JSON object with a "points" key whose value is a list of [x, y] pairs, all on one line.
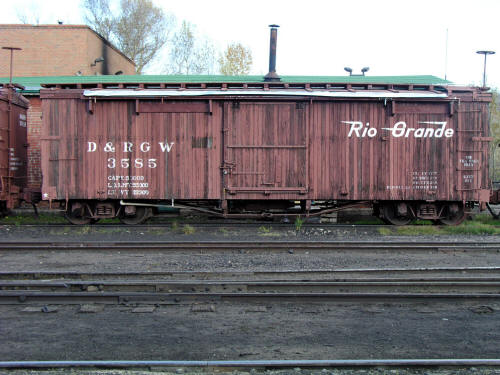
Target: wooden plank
{"points": [[174, 107]]}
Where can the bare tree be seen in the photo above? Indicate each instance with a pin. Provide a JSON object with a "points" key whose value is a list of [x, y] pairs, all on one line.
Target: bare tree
{"points": [[190, 54], [236, 60], [99, 17], [139, 28], [29, 14]]}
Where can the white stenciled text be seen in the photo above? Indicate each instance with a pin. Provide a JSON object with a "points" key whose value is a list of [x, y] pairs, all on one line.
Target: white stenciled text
{"points": [[400, 129]]}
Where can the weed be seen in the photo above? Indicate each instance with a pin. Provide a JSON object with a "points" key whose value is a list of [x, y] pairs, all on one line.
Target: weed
{"points": [[487, 219], [223, 231], [422, 222], [418, 230], [108, 230], [473, 227], [266, 231], [263, 229], [188, 229], [298, 223], [385, 231], [25, 219], [175, 225]]}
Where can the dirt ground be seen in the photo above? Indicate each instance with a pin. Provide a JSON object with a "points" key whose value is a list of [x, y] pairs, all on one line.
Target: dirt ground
{"points": [[240, 331]]}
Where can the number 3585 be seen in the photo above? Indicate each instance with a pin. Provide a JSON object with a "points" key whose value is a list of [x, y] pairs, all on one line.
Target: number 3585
{"points": [[135, 163]]}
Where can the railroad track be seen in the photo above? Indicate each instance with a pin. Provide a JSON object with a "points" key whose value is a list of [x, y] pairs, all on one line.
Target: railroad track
{"points": [[267, 246], [201, 225], [482, 283], [457, 363]]}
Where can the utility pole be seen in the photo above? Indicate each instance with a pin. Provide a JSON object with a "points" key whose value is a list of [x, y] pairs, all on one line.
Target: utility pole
{"points": [[12, 49]]}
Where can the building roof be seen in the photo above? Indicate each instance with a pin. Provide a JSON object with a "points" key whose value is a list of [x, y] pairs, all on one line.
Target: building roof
{"points": [[34, 84]]}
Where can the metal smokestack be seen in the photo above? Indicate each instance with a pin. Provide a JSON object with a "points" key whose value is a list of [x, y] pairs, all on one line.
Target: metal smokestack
{"points": [[272, 76]]}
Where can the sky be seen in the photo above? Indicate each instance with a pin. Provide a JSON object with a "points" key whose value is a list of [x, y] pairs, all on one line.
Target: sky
{"points": [[316, 37]]}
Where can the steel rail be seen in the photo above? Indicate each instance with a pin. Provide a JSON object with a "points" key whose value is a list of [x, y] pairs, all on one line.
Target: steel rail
{"points": [[463, 362], [67, 284], [24, 297], [219, 224], [263, 275], [247, 245]]}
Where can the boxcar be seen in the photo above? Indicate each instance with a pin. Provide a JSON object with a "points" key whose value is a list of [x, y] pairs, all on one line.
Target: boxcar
{"points": [[264, 149], [13, 149]]}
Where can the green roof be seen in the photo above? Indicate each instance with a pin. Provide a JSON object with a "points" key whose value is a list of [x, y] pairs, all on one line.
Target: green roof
{"points": [[33, 84]]}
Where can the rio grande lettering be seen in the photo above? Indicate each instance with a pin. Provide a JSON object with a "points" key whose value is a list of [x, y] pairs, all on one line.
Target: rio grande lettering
{"points": [[400, 129]]}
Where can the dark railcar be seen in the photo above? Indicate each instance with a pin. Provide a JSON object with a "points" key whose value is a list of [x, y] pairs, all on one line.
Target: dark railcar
{"points": [[413, 151], [13, 149]]}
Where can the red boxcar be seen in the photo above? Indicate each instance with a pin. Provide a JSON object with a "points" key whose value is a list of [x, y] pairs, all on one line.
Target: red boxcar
{"points": [[13, 149], [413, 151]]}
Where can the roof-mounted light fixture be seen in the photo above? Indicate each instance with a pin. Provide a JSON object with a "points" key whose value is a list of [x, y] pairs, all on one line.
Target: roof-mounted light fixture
{"points": [[363, 71]]}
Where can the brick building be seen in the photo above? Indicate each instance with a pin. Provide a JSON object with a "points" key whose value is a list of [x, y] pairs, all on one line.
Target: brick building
{"points": [[55, 50]]}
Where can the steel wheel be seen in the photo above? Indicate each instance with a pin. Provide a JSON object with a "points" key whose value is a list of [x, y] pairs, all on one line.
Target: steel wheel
{"points": [[453, 218], [140, 216], [391, 216], [76, 214]]}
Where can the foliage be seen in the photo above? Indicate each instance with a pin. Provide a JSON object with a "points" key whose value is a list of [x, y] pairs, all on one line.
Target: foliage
{"points": [[298, 223], [189, 53], [236, 60], [417, 230], [30, 219], [188, 229], [385, 231], [264, 230], [139, 28], [480, 225]]}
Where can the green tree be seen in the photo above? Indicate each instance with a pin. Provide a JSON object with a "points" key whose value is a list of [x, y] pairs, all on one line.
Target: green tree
{"points": [[138, 27], [236, 60]]}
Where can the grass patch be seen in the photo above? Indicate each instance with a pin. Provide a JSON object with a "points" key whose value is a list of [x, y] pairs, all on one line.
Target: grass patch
{"points": [[418, 230], [108, 230], [473, 227], [480, 225], [114, 220], [487, 219], [188, 229], [422, 222], [32, 219], [385, 231]]}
